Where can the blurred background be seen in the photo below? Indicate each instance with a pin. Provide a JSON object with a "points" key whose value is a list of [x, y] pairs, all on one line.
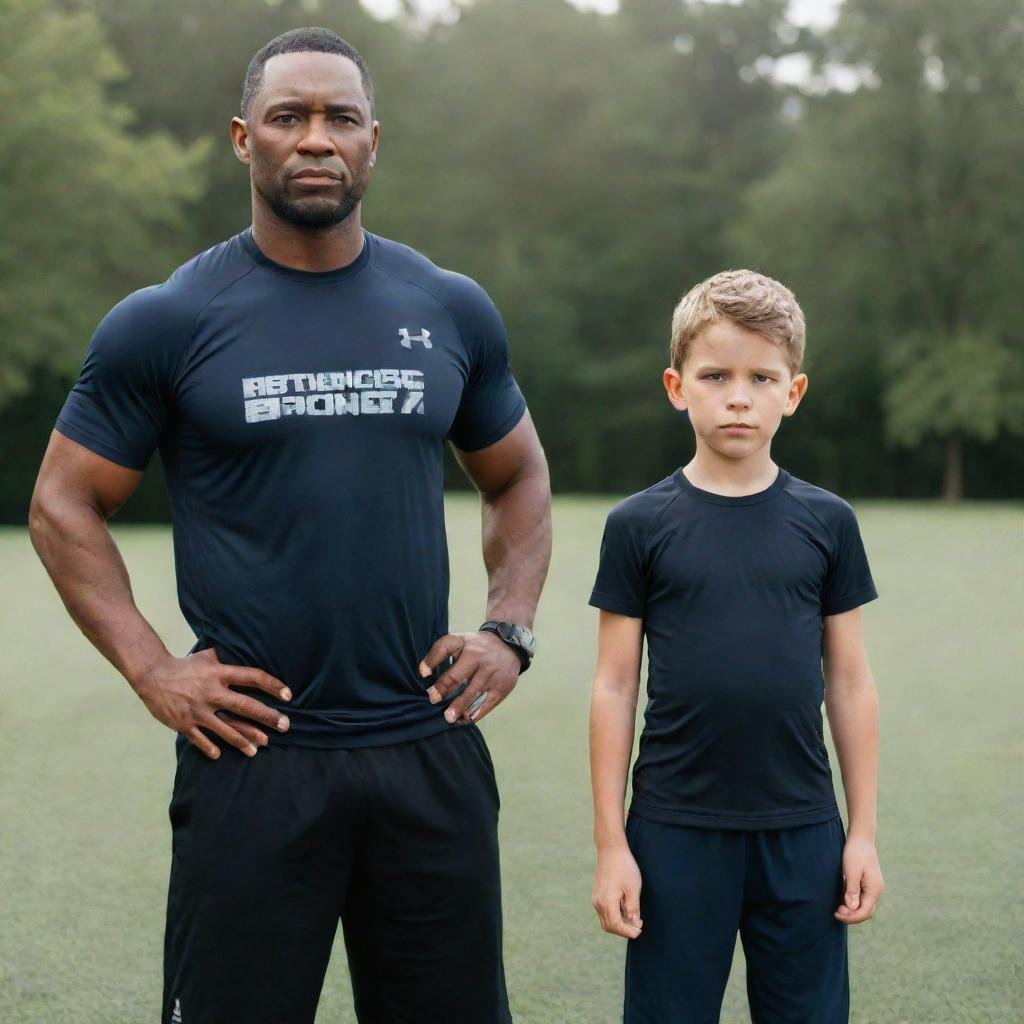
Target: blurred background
{"points": [[587, 162]]}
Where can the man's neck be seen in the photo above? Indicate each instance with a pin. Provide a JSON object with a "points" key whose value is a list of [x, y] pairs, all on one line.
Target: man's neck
{"points": [[305, 248], [731, 478]]}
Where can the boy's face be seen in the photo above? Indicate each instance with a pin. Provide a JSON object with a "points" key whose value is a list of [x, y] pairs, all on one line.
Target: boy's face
{"points": [[736, 386]]}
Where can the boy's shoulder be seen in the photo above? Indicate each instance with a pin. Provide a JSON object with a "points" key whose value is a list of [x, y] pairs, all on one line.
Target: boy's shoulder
{"points": [[643, 509], [828, 508]]}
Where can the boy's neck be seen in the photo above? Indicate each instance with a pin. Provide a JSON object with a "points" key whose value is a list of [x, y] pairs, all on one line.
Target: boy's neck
{"points": [[731, 478]]}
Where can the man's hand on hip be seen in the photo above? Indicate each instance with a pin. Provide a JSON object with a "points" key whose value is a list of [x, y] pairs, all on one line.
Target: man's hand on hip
{"points": [[194, 693], [482, 660]]}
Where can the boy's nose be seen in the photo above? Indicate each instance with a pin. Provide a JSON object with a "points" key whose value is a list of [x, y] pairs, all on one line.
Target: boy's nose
{"points": [[739, 400]]}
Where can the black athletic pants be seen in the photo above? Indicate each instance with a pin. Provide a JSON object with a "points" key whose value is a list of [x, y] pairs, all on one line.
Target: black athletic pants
{"points": [[399, 843]]}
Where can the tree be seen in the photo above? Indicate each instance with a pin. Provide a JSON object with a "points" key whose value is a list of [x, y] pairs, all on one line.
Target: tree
{"points": [[897, 210], [89, 211]]}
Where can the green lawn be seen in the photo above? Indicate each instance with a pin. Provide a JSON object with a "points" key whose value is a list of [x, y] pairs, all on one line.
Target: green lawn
{"points": [[85, 775]]}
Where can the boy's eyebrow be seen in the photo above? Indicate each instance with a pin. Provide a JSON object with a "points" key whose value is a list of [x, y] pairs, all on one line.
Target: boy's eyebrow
{"points": [[763, 370]]}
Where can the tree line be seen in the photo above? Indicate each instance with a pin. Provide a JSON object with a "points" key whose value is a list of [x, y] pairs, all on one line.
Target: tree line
{"points": [[587, 169]]}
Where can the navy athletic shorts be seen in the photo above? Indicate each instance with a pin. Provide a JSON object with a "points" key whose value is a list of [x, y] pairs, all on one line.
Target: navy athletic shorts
{"points": [[777, 889], [399, 843]]}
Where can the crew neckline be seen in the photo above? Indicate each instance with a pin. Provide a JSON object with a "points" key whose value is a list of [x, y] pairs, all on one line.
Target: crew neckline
{"points": [[725, 499], [260, 258]]}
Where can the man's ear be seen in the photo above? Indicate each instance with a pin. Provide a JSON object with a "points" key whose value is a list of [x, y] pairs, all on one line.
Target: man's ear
{"points": [[797, 390], [673, 382], [240, 139]]}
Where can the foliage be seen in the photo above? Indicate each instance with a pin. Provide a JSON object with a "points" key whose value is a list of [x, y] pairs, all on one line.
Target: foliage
{"points": [[90, 211], [586, 170]]}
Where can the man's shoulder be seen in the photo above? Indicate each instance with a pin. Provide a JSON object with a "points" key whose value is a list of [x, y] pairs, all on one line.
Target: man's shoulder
{"points": [[174, 304], [459, 294]]}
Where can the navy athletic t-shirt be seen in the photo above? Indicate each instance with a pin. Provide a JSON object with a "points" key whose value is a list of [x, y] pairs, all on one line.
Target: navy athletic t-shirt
{"points": [[301, 420], [732, 592]]}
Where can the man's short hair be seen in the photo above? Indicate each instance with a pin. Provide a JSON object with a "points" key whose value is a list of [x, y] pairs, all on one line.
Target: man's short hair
{"points": [[749, 299], [303, 40]]}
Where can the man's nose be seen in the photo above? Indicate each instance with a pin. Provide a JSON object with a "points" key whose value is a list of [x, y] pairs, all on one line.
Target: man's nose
{"points": [[316, 140]]}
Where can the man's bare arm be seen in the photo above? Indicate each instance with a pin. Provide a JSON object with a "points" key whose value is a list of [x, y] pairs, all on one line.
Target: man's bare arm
{"points": [[512, 478], [76, 493]]}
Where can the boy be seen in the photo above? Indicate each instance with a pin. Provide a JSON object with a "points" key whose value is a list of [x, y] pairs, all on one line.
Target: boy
{"points": [[741, 578]]}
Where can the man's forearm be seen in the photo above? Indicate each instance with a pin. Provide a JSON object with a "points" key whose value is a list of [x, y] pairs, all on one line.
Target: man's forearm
{"points": [[516, 526], [853, 719], [76, 547]]}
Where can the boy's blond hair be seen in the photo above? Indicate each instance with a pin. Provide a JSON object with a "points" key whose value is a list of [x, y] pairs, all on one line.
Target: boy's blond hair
{"points": [[747, 298]]}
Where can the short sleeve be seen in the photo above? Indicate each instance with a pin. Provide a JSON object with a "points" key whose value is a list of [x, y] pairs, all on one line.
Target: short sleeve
{"points": [[621, 584], [118, 406], [848, 583], [491, 403]]}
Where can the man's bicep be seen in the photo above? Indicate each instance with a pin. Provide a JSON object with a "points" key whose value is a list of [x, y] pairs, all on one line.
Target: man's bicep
{"points": [[517, 454], [70, 472]]}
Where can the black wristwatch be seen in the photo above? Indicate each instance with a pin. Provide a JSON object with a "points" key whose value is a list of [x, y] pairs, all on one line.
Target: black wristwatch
{"points": [[519, 638]]}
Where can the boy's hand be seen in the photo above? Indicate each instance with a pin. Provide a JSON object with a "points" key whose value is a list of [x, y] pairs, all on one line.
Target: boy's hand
{"points": [[862, 876], [617, 891]]}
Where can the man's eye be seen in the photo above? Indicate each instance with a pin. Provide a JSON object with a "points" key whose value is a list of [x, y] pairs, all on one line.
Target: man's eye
{"points": [[284, 118], [344, 119]]}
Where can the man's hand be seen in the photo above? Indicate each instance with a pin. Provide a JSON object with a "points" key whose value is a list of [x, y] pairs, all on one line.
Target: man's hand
{"points": [[194, 693], [862, 876], [617, 891], [482, 659]]}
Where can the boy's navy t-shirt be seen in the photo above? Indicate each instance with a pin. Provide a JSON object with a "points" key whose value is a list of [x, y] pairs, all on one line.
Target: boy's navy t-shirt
{"points": [[732, 592], [301, 420]]}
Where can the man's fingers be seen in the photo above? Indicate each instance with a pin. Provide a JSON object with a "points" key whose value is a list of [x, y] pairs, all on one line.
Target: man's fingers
{"points": [[459, 708], [455, 675], [255, 736], [229, 734], [202, 742], [443, 647], [254, 678], [249, 707]]}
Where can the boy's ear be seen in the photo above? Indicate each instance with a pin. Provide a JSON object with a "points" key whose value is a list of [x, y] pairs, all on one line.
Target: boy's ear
{"points": [[674, 388], [797, 390]]}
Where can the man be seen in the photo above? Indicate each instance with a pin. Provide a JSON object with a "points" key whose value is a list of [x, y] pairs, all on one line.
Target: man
{"points": [[300, 380]]}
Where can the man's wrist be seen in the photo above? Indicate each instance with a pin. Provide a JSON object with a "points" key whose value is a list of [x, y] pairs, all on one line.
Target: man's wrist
{"points": [[520, 638]]}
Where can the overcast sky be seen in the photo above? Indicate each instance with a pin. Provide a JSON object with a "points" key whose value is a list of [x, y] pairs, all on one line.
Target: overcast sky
{"points": [[819, 13]]}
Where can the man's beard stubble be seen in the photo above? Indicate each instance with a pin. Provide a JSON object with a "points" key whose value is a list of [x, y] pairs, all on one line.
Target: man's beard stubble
{"points": [[316, 215]]}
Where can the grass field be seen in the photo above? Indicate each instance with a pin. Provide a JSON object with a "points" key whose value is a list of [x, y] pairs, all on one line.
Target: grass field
{"points": [[85, 777]]}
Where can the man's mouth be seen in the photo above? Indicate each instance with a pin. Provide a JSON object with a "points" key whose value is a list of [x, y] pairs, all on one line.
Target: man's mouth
{"points": [[317, 174]]}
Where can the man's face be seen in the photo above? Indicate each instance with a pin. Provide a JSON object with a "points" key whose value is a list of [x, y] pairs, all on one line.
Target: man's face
{"points": [[309, 139], [737, 386]]}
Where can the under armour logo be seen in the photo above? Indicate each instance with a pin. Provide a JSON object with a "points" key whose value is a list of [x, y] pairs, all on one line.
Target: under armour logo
{"points": [[407, 339], [176, 1015]]}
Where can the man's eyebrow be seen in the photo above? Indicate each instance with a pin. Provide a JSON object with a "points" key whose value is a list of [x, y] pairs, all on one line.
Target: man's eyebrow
{"points": [[294, 103]]}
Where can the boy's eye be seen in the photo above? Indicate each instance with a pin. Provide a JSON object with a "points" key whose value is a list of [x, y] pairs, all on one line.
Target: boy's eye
{"points": [[761, 378], [712, 376]]}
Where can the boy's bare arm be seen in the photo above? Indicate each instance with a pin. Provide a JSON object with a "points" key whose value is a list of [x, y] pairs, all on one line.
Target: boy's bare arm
{"points": [[76, 492], [851, 703], [612, 724]]}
